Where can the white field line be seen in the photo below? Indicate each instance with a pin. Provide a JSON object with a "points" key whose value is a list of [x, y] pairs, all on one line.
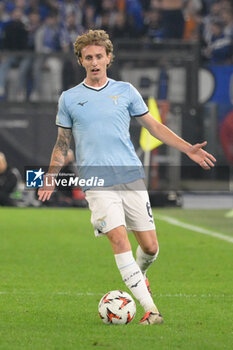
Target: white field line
{"points": [[194, 228], [83, 294], [229, 214]]}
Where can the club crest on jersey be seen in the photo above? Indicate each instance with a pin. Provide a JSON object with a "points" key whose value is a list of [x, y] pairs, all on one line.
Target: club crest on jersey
{"points": [[115, 98]]}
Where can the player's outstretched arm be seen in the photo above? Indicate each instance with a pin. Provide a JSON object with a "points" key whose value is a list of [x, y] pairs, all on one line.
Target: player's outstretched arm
{"points": [[57, 161], [163, 133]]}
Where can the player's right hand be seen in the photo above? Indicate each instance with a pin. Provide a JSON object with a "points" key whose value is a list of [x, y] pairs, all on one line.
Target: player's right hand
{"points": [[45, 192], [200, 156]]}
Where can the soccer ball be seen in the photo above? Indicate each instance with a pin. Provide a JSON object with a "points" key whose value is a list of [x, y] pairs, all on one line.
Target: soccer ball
{"points": [[117, 307]]}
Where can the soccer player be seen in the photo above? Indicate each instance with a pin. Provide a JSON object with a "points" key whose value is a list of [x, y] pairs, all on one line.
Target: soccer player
{"points": [[97, 112]]}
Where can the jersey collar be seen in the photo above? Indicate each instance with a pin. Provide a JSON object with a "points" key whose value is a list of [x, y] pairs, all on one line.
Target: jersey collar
{"points": [[96, 88]]}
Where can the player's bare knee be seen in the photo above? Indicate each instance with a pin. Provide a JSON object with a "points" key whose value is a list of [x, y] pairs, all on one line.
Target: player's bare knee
{"points": [[152, 248]]}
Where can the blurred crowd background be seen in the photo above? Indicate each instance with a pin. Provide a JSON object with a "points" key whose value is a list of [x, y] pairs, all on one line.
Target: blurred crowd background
{"points": [[51, 26]]}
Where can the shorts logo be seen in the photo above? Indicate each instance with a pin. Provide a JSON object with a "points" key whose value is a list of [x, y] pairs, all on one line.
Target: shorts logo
{"points": [[100, 224], [34, 178], [103, 223], [149, 212]]}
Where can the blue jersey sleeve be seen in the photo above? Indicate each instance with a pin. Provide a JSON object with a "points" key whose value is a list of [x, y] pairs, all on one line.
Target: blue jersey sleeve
{"points": [[63, 118], [137, 107]]}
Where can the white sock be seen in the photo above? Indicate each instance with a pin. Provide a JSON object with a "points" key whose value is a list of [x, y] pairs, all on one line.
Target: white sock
{"points": [[134, 280], [144, 260]]}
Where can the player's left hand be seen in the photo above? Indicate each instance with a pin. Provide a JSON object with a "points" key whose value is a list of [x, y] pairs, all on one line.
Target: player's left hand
{"points": [[44, 193], [201, 157]]}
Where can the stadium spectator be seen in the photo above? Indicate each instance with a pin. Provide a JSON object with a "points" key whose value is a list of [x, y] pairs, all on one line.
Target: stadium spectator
{"points": [[104, 21], [9, 179], [97, 112], [192, 16], [69, 32], [33, 26], [107, 15], [4, 12], [219, 47], [23, 6], [122, 28], [135, 16], [227, 19], [108, 5], [71, 7], [172, 19], [46, 7], [89, 17], [226, 5], [214, 13], [15, 38], [153, 29], [207, 5], [70, 72], [9, 6], [47, 41]]}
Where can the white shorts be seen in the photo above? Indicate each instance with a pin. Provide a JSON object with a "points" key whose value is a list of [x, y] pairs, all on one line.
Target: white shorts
{"points": [[120, 205]]}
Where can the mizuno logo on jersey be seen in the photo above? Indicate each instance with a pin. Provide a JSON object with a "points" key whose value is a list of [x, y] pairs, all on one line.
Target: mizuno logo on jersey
{"points": [[115, 98], [82, 103]]}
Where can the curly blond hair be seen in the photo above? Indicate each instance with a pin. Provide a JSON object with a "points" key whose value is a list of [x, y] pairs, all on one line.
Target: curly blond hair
{"points": [[93, 37]]}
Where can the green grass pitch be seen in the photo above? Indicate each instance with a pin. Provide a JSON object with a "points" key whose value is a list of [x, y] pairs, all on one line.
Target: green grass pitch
{"points": [[53, 272]]}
